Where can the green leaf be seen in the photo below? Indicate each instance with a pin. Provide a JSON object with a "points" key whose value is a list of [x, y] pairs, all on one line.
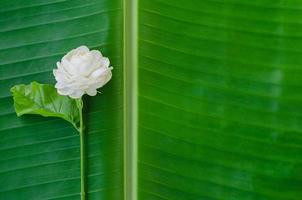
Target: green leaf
{"points": [[40, 157], [217, 113], [43, 99], [220, 100]]}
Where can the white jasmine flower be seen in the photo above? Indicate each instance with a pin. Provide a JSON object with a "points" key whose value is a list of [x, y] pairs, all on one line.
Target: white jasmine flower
{"points": [[82, 72]]}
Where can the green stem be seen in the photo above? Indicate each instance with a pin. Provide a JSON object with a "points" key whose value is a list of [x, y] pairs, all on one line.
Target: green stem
{"points": [[82, 145]]}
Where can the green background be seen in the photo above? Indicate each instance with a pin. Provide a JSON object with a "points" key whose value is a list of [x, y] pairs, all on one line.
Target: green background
{"points": [[39, 157], [219, 100]]}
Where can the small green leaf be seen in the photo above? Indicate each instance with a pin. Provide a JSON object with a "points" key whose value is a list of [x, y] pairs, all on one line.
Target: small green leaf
{"points": [[43, 99]]}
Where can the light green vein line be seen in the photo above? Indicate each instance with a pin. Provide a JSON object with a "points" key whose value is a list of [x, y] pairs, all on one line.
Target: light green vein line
{"points": [[130, 98], [31, 6]]}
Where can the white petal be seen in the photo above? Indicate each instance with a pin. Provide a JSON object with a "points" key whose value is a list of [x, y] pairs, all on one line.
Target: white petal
{"points": [[96, 53], [91, 91], [101, 81], [77, 62], [70, 54], [76, 94], [69, 68], [61, 77], [75, 52], [107, 76], [105, 62], [92, 62], [82, 49], [61, 68], [60, 85], [65, 91], [54, 72], [98, 72], [87, 64], [82, 71]]}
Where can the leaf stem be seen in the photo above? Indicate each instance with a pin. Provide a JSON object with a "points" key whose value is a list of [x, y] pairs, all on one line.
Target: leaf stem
{"points": [[82, 146]]}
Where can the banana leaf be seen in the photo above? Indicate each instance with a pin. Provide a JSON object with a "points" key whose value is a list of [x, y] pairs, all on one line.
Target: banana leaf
{"points": [[204, 103], [39, 157], [220, 100]]}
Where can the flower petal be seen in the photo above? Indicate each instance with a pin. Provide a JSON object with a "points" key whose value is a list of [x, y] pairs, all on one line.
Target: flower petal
{"points": [[82, 71], [82, 49], [76, 94], [64, 91], [91, 91]]}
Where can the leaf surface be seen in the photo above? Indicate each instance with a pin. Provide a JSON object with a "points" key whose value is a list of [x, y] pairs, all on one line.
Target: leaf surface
{"points": [[39, 157], [43, 99], [220, 100]]}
